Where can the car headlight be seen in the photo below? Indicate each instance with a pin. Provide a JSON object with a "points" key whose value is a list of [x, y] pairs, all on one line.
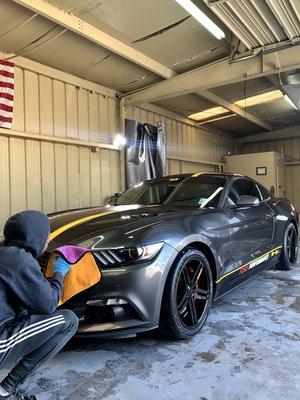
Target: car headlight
{"points": [[141, 252], [121, 255]]}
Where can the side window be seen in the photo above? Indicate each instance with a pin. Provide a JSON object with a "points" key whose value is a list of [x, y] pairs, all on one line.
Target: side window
{"points": [[242, 187]]}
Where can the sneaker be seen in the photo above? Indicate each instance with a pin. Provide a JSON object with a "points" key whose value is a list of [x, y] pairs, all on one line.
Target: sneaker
{"points": [[21, 395]]}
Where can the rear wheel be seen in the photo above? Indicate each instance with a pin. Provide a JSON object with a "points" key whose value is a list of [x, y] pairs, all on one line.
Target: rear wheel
{"points": [[188, 295], [288, 257]]}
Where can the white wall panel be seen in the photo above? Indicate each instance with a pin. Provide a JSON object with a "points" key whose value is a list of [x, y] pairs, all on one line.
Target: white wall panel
{"points": [[33, 175], [51, 176], [96, 190], [71, 111], [73, 176], [48, 106], [17, 170], [45, 105], [83, 115], [57, 176], [48, 177], [59, 109], [291, 150]]}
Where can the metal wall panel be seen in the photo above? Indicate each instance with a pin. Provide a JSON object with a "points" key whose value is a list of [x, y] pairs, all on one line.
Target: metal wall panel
{"points": [[291, 150], [48, 106], [58, 176], [185, 142], [54, 176]]}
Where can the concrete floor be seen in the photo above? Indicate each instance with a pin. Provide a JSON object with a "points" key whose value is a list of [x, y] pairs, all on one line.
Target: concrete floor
{"points": [[248, 349]]}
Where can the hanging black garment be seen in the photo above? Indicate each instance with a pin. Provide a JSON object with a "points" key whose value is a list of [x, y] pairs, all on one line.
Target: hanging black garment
{"points": [[145, 152]]}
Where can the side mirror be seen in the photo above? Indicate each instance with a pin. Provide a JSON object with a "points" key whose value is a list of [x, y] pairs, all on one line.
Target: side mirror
{"points": [[113, 199], [248, 201]]}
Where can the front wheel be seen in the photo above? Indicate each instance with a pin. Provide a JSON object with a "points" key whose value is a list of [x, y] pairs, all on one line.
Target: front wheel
{"points": [[188, 295], [288, 257]]}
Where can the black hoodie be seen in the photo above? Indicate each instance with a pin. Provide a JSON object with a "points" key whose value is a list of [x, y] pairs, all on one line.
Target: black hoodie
{"points": [[22, 283]]}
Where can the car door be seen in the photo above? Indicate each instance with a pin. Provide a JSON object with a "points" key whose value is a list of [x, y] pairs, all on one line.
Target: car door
{"points": [[251, 227]]}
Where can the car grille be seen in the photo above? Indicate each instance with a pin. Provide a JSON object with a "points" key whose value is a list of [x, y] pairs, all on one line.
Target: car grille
{"points": [[108, 257]]}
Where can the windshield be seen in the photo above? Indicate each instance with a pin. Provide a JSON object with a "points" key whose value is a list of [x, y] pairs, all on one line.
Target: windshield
{"points": [[202, 192], [148, 193]]}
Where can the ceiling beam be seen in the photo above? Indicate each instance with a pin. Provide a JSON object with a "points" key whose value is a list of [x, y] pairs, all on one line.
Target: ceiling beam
{"points": [[291, 132], [219, 73], [180, 118], [90, 32], [235, 109]]}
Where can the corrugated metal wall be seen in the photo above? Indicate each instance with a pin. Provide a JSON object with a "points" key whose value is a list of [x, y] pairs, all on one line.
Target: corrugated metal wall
{"points": [[54, 176], [291, 150], [186, 144], [37, 174]]}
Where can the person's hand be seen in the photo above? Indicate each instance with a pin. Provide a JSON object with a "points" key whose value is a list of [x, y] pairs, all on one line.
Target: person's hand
{"points": [[61, 266]]}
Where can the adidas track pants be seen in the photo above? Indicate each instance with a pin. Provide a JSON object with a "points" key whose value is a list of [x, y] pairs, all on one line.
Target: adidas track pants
{"points": [[31, 341]]}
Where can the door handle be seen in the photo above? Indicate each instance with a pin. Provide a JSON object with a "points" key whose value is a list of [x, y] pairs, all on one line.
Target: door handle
{"points": [[269, 215]]}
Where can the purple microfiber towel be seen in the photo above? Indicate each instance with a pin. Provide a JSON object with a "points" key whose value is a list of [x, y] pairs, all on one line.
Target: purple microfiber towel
{"points": [[72, 254]]}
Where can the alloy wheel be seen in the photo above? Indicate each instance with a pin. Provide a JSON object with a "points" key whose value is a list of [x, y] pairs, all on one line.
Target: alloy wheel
{"points": [[192, 292], [292, 245]]}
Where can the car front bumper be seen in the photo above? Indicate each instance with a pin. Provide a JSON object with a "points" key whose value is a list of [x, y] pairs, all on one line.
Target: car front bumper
{"points": [[139, 290]]}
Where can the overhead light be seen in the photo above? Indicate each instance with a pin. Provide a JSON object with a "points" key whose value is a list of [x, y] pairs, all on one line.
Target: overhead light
{"points": [[217, 118], [259, 99], [195, 12], [243, 103], [286, 97], [209, 113]]}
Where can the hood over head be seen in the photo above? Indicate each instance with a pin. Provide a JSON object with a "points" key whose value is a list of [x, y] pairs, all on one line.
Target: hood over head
{"points": [[28, 230]]}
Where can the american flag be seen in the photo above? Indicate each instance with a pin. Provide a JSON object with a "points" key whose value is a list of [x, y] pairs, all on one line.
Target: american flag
{"points": [[6, 93]]}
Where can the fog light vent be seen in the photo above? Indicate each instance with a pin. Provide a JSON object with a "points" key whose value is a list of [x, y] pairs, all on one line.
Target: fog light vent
{"points": [[115, 302], [104, 302]]}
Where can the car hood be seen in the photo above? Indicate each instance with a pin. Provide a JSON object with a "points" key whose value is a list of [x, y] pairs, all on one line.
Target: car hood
{"points": [[120, 225]]}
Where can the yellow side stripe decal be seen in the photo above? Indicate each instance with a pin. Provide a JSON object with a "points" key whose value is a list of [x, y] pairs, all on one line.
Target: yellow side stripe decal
{"points": [[249, 262], [64, 228]]}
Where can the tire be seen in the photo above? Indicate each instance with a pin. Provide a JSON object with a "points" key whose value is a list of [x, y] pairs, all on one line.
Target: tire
{"points": [[187, 296], [288, 257]]}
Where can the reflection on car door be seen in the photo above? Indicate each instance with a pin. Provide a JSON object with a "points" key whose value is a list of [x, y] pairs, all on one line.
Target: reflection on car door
{"points": [[251, 227]]}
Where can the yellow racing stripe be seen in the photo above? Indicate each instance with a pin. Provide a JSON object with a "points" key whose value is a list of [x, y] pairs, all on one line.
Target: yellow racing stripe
{"points": [[249, 262], [80, 221], [197, 174]]}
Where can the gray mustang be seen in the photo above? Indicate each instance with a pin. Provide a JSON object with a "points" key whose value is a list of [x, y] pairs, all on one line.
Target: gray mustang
{"points": [[170, 246]]}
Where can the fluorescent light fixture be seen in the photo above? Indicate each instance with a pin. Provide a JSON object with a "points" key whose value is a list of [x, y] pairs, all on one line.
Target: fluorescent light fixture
{"points": [[209, 113], [259, 99], [195, 12], [286, 97], [217, 118], [243, 103]]}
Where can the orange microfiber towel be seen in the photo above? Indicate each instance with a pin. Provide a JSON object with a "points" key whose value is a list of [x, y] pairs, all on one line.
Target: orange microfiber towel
{"points": [[83, 273]]}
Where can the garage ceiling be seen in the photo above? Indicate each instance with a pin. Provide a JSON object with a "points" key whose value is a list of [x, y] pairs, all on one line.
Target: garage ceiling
{"points": [[258, 23], [168, 37]]}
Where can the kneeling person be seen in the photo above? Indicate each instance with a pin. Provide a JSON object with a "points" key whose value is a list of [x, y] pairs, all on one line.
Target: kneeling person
{"points": [[32, 331]]}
